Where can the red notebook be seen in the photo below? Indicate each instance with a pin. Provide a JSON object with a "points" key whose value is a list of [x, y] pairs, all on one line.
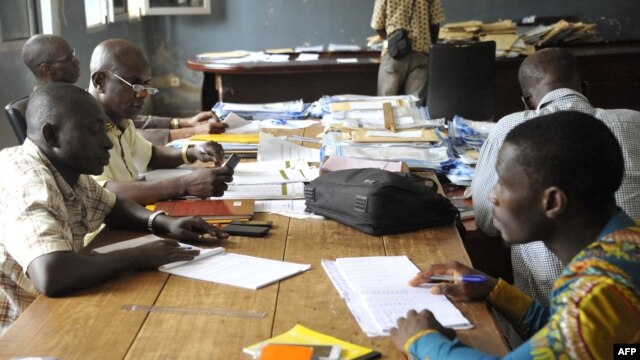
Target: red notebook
{"points": [[209, 209]]}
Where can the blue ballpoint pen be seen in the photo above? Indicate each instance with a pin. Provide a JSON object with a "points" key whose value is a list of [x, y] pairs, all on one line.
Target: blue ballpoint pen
{"points": [[463, 278]]}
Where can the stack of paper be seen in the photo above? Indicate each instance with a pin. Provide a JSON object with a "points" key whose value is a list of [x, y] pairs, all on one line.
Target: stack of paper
{"points": [[295, 109], [376, 291]]}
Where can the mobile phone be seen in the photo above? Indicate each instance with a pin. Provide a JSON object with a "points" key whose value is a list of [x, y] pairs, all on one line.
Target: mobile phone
{"points": [[266, 223], [232, 161], [245, 230]]}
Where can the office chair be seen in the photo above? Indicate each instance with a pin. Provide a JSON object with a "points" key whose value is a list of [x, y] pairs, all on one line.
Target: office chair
{"points": [[15, 111], [461, 80]]}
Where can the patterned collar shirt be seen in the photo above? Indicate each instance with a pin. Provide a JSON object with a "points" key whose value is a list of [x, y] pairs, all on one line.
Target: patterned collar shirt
{"points": [[398, 14], [535, 267], [130, 154], [40, 213]]}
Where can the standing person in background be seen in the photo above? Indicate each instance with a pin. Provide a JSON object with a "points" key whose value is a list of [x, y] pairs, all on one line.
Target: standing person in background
{"points": [[421, 18], [51, 59]]}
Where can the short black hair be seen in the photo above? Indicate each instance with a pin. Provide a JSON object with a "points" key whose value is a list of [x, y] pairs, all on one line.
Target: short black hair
{"points": [[573, 151], [52, 102]]}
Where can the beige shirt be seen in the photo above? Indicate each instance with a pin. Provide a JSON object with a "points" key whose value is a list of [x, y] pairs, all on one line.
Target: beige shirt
{"points": [[40, 213], [395, 14], [130, 154]]}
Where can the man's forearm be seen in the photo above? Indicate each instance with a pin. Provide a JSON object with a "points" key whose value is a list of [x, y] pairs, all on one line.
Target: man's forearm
{"points": [[147, 192]]}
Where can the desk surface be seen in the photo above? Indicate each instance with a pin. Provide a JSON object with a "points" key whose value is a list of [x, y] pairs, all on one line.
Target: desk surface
{"points": [[90, 324]]}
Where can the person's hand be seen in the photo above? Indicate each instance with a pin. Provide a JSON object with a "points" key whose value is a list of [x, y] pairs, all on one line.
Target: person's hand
{"points": [[209, 151], [206, 182], [211, 127], [157, 253], [413, 324], [199, 119], [190, 228], [457, 290]]}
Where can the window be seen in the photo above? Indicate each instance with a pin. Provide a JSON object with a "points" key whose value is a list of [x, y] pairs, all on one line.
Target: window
{"points": [[96, 13], [174, 7], [18, 21]]}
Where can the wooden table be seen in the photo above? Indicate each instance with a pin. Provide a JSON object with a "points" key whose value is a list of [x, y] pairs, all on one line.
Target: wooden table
{"points": [[91, 325]]}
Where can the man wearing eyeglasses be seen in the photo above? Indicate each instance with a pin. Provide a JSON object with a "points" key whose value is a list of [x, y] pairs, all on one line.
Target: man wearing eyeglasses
{"points": [[550, 83], [51, 59], [120, 79]]}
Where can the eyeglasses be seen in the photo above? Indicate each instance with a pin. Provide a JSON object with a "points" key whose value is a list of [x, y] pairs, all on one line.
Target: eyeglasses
{"points": [[68, 59], [137, 87], [525, 101]]}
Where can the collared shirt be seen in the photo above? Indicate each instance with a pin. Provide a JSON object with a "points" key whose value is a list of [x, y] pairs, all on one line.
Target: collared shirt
{"points": [[40, 213], [398, 14], [535, 267], [595, 304], [130, 154]]}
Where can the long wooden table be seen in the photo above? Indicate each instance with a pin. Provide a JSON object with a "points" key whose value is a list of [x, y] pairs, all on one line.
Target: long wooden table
{"points": [[91, 325]]}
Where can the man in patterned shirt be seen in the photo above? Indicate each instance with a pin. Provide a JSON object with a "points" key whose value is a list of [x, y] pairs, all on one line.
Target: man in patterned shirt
{"points": [[547, 190], [550, 82], [48, 204], [421, 18]]}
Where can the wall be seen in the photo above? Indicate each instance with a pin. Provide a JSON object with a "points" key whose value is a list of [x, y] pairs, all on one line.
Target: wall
{"points": [[257, 25]]}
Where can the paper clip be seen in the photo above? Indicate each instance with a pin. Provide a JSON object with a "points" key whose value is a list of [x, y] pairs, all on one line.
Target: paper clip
{"points": [[195, 311]]}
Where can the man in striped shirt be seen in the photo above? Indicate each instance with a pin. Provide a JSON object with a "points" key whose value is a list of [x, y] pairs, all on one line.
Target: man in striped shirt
{"points": [[550, 83]]}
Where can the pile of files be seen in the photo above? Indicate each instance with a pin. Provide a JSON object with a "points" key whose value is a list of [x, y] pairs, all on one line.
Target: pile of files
{"points": [[560, 33], [465, 138], [355, 127], [286, 110]]}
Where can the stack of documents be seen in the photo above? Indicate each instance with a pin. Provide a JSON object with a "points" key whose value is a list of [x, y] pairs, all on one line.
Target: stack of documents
{"points": [[376, 291], [217, 266], [287, 110]]}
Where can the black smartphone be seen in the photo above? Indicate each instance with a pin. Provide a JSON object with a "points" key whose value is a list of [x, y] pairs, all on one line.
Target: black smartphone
{"points": [[245, 230], [266, 223], [232, 161]]}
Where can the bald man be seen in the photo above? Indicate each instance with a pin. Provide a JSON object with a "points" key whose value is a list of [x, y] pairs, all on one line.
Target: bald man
{"points": [[51, 59], [550, 82], [48, 204], [120, 78]]}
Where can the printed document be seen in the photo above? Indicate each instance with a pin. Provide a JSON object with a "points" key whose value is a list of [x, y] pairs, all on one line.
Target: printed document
{"points": [[217, 266], [377, 293]]}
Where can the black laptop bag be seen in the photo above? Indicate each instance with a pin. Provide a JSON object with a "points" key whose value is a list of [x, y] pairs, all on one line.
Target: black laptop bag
{"points": [[379, 202]]}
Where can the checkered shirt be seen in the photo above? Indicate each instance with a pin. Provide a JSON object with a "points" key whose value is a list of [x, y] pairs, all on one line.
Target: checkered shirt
{"points": [[40, 213]]}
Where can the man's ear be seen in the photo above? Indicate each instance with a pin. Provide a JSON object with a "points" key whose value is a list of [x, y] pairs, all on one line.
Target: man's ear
{"points": [[98, 80], [554, 202], [50, 134], [43, 70], [584, 88]]}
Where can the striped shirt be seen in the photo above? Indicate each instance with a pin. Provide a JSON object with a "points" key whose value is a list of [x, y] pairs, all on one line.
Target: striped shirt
{"points": [[40, 213], [535, 268], [413, 15]]}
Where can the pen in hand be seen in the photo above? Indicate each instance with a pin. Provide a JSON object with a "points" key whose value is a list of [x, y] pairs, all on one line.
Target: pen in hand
{"points": [[463, 278]]}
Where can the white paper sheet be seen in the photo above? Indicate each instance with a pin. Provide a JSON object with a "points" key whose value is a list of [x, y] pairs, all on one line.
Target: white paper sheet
{"points": [[308, 57], [402, 134], [273, 172], [380, 283], [216, 266], [273, 148], [265, 191]]}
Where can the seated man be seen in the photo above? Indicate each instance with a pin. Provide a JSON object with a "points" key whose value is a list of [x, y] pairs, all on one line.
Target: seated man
{"points": [[120, 75], [557, 176], [550, 82], [51, 59], [48, 204]]}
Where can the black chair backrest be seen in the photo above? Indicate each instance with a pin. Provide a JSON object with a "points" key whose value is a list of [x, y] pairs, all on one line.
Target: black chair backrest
{"points": [[461, 80], [15, 111]]}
